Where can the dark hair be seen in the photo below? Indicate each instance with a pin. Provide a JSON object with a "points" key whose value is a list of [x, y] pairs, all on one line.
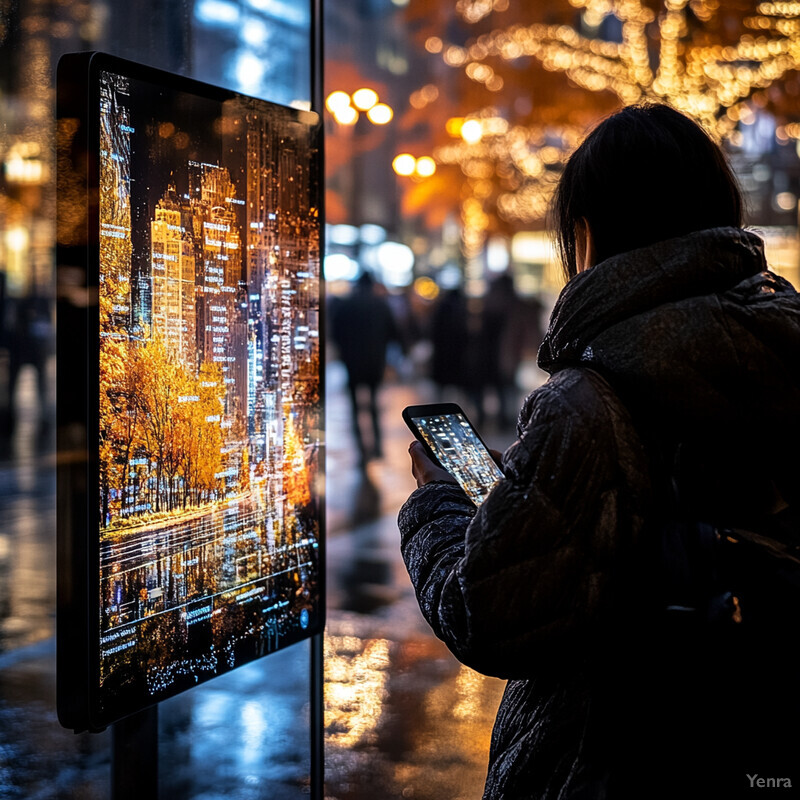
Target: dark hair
{"points": [[645, 174]]}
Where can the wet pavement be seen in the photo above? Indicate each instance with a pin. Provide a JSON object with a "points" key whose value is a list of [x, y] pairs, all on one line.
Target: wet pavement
{"points": [[403, 718]]}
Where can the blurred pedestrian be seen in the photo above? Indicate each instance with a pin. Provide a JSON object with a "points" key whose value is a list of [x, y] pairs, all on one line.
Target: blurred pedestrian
{"points": [[510, 328], [31, 342], [448, 336], [674, 361], [409, 333], [362, 327]]}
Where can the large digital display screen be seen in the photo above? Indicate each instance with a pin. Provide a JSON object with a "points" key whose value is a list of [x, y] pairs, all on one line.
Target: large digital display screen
{"points": [[206, 521]]}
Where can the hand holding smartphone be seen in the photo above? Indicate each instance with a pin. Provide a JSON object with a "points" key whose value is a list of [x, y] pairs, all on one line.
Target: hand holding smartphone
{"points": [[451, 442]]}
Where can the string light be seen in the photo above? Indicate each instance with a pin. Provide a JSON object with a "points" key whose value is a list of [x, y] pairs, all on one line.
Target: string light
{"points": [[476, 10], [422, 97], [433, 44], [696, 79], [471, 131], [513, 169]]}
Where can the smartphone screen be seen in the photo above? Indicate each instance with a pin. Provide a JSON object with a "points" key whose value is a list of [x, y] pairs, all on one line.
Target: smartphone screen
{"points": [[460, 451]]}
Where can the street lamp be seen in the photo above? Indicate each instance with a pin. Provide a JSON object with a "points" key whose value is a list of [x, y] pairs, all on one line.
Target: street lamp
{"points": [[364, 99], [380, 114], [408, 166], [426, 166], [345, 108], [361, 139]]}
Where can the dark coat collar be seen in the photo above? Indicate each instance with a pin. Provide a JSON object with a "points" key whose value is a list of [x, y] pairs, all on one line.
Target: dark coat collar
{"points": [[633, 283]]}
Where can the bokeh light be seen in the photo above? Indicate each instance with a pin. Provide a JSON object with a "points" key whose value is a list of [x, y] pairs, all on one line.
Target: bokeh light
{"points": [[346, 116], [404, 164], [471, 131], [380, 114], [336, 101], [425, 166], [364, 99]]}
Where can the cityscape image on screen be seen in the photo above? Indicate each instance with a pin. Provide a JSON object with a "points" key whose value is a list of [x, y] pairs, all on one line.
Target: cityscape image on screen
{"points": [[210, 416], [461, 453]]}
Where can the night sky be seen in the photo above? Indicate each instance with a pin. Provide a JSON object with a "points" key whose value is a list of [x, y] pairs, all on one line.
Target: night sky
{"points": [[156, 160]]}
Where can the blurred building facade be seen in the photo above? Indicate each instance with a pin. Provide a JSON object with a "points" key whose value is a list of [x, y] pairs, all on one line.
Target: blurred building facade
{"points": [[259, 48]]}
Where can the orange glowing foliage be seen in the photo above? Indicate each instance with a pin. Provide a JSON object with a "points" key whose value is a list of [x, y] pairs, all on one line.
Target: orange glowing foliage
{"points": [[295, 470]]}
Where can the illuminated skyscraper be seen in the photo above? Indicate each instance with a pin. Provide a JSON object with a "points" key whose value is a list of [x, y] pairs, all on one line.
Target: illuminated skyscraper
{"points": [[221, 327], [264, 424], [172, 262]]}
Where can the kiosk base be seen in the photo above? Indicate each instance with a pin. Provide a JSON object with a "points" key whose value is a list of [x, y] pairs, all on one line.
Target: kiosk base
{"points": [[317, 719], [134, 742], [134, 764]]}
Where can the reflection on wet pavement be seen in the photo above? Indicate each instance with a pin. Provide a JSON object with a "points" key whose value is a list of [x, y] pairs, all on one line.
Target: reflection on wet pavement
{"points": [[27, 529], [403, 717]]}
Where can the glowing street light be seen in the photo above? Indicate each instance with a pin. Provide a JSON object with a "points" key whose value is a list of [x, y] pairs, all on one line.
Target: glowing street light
{"points": [[380, 114], [426, 166], [404, 164], [408, 166], [346, 116], [345, 108], [336, 101], [364, 99]]}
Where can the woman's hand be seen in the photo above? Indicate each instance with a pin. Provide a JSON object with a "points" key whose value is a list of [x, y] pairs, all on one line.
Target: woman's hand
{"points": [[423, 469]]}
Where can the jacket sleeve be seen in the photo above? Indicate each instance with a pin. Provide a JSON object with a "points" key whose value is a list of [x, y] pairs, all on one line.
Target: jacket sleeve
{"points": [[529, 574]]}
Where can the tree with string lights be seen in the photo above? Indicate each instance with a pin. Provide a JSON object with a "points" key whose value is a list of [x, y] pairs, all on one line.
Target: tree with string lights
{"points": [[523, 87]]}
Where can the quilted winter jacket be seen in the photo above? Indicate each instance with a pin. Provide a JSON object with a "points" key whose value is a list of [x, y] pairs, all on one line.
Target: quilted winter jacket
{"points": [[691, 342]]}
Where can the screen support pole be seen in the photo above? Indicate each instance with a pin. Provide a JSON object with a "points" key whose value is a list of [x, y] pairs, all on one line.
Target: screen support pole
{"points": [[316, 719], [134, 760], [316, 666]]}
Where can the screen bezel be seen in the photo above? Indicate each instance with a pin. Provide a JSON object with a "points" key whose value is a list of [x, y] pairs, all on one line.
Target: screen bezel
{"points": [[78, 627], [435, 410]]}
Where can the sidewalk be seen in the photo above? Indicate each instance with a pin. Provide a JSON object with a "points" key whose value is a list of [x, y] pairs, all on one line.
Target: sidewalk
{"points": [[403, 717]]}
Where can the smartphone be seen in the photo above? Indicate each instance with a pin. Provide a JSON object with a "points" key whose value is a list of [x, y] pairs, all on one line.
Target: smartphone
{"points": [[451, 442]]}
